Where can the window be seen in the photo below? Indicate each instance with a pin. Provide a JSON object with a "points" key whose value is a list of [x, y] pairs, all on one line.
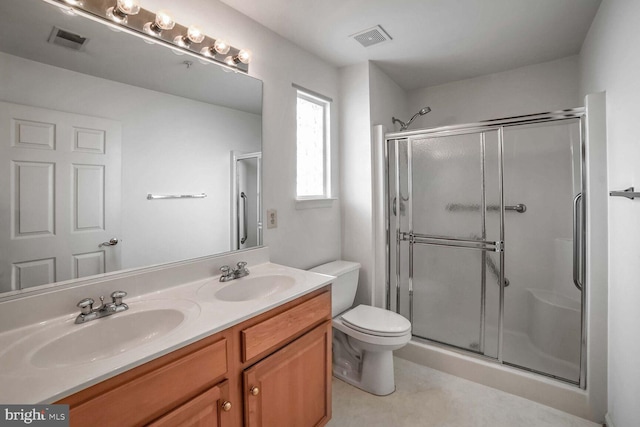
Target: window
{"points": [[313, 164]]}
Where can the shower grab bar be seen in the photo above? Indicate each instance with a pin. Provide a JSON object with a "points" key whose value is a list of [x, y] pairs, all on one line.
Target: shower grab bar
{"points": [[629, 193], [175, 196], [576, 245], [424, 239], [496, 272], [244, 215], [493, 268], [453, 207], [520, 208]]}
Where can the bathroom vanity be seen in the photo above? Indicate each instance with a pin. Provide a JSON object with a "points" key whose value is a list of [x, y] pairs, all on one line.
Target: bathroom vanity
{"points": [[273, 369], [255, 351]]}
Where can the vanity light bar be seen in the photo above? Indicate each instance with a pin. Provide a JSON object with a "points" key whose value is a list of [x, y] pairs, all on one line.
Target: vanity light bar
{"points": [[128, 16]]}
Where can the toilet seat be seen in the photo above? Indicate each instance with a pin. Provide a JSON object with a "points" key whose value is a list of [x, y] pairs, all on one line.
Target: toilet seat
{"points": [[376, 321]]}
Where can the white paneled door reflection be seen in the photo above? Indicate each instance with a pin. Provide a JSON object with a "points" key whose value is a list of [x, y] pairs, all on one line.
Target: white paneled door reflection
{"points": [[59, 196]]}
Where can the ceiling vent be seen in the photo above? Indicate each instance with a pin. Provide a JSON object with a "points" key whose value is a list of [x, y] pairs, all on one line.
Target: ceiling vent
{"points": [[67, 39], [375, 35]]}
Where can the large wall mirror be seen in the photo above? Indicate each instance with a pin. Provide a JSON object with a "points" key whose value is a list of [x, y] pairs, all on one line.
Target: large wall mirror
{"points": [[94, 134]]}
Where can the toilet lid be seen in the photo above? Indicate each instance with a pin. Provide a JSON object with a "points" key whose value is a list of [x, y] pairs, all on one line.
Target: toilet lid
{"points": [[376, 321]]}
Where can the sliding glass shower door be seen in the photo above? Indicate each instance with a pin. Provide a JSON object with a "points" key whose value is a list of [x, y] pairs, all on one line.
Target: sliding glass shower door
{"points": [[486, 240], [542, 321], [448, 235]]}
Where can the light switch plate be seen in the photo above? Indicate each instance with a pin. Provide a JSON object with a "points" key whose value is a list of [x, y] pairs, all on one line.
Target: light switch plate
{"points": [[272, 218]]}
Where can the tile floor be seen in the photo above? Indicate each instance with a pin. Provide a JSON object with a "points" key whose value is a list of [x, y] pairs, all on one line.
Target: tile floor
{"points": [[425, 397]]}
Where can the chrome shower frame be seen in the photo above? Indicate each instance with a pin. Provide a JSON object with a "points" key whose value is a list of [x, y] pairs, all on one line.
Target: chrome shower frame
{"points": [[396, 234]]}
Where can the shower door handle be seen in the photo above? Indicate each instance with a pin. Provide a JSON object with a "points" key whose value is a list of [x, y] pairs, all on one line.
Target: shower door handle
{"points": [[577, 242], [395, 199], [244, 216]]}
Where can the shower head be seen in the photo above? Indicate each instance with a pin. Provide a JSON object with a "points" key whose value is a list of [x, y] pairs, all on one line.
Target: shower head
{"points": [[404, 126]]}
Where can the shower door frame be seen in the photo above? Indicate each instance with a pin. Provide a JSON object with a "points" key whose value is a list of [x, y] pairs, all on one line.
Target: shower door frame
{"points": [[236, 157], [579, 249]]}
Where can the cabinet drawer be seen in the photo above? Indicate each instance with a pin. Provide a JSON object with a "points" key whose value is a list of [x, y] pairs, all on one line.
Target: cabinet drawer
{"points": [[204, 410], [282, 327], [153, 394]]}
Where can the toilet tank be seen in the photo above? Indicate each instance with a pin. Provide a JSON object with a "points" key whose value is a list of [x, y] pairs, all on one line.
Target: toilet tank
{"points": [[343, 289]]}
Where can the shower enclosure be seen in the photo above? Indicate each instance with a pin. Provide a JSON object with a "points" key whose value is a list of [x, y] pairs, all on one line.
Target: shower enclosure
{"points": [[486, 237]]}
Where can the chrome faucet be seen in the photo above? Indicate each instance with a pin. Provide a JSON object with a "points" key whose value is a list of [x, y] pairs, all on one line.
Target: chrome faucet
{"points": [[87, 312], [229, 273]]}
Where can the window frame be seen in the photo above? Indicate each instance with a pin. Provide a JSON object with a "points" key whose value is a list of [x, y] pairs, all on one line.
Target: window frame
{"points": [[325, 103]]}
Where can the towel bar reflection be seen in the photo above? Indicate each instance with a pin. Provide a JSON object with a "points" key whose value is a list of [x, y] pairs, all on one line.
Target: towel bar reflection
{"points": [[629, 193], [175, 196]]}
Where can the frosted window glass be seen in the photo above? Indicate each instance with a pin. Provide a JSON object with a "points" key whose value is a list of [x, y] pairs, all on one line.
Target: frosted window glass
{"points": [[311, 149]]}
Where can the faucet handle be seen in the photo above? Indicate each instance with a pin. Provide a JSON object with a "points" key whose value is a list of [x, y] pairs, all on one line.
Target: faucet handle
{"points": [[241, 265], [225, 270], [117, 296], [86, 305]]}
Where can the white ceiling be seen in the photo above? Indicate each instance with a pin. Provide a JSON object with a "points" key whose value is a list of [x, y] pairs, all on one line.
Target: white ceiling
{"points": [[434, 41]]}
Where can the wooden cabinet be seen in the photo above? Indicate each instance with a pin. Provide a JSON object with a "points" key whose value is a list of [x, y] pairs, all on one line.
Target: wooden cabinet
{"points": [[285, 351], [271, 333], [147, 392], [292, 387], [208, 409]]}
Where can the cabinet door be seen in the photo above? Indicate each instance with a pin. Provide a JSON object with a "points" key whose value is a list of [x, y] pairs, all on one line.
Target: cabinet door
{"points": [[208, 409], [292, 387]]}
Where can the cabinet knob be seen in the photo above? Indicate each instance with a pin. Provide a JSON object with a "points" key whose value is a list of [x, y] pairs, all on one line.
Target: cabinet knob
{"points": [[254, 391], [226, 406]]}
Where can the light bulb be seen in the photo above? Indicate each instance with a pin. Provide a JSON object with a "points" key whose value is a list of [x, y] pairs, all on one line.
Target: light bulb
{"points": [[129, 7], [221, 46], [163, 21], [122, 10], [208, 51], [195, 34], [244, 56]]}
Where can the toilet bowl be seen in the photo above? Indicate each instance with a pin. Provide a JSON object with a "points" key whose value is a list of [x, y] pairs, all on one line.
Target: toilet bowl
{"points": [[364, 337]]}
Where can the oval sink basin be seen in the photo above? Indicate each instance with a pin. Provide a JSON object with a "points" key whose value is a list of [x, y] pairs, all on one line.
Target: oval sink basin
{"points": [[250, 288], [107, 337], [60, 343]]}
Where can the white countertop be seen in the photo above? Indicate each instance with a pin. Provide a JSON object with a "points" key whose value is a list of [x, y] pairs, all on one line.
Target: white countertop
{"points": [[24, 381]]}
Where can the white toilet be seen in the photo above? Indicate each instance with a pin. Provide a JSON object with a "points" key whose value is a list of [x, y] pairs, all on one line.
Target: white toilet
{"points": [[364, 337]]}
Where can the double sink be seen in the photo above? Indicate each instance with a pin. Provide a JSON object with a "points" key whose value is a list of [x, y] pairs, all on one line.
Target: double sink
{"points": [[60, 343]]}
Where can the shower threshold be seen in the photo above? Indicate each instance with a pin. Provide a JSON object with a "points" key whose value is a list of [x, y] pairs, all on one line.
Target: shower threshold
{"points": [[520, 354], [561, 394]]}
